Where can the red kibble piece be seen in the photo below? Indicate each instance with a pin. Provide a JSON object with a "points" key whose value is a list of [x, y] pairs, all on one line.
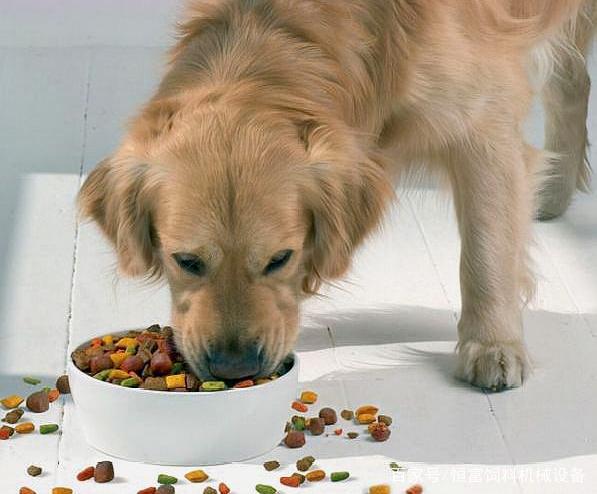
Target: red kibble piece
{"points": [[149, 490], [299, 407], [415, 489], [290, 481], [53, 395], [134, 363], [96, 342], [100, 363], [161, 364], [223, 488], [338, 432], [247, 383], [5, 433], [86, 474]]}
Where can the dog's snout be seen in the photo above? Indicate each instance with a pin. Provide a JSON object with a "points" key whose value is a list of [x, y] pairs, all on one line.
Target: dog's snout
{"points": [[235, 364]]}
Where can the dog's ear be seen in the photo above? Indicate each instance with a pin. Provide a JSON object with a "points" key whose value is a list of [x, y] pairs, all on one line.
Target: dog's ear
{"points": [[346, 193], [118, 194]]}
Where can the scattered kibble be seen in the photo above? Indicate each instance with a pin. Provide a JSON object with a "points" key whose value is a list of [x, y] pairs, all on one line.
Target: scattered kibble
{"points": [[305, 463], [34, 381], [62, 490], [13, 416], [6, 432], [63, 385], [299, 407], [34, 470], [265, 489], [209, 490], [415, 489], [352, 435], [48, 428], [131, 382], [299, 476], [165, 489], [148, 490], [298, 423], [316, 426], [338, 432], [295, 439], [26, 490], [380, 489], [223, 488], [384, 419], [12, 401], [315, 476], [213, 386], [38, 402], [247, 383], [308, 397], [104, 472], [328, 415], [166, 479], [365, 418], [271, 465], [366, 409], [339, 476], [290, 481], [25, 428], [380, 432], [347, 414], [53, 395], [176, 381], [196, 476], [86, 474]]}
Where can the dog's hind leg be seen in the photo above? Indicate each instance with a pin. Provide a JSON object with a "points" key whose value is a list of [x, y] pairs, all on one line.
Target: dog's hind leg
{"points": [[565, 98]]}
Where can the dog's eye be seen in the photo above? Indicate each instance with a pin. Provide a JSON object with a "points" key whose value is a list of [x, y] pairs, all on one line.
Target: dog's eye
{"points": [[190, 263], [278, 261]]}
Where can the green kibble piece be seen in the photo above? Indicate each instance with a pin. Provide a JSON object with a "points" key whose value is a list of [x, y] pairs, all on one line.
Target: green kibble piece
{"points": [[34, 381], [298, 423], [48, 428], [265, 489], [339, 476], [131, 350], [166, 479], [46, 389], [131, 382], [177, 368], [102, 375], [213, 386]]}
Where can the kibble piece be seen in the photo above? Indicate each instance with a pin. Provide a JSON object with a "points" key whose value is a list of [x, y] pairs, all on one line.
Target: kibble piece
{"points": [[223, 488], [6, 432], [265, 489], [133, 363], [62, 490], [347, 414], [102, 375], [131, 382], [308, 397], [299, 476], [191, 382], [247, 383], [384, 419], [104, 472], [380, 489], [295, 439], [380, 432], [34, 470], [13, 416], [34, 381], [118, 358], [316, 426], [366, 409], [100, 363], [213, 386], [48, 428], [26, 490], [290, 481], [299, 407], [352, 435], [161, 364], [196, 476], [315, 476], [209, 490], [166, 479], [25, 428], [339, 476], [53, 395], [328, 415], [415, 489], [155, 384], [165, 489], [298, 423], [305, 463], [365, 418], [81, 359], [38, 402], [63, 385], [127, 342], [176, 381], [12, 401], [86, 474], [118, 374], [148, 490], [271, 465]]}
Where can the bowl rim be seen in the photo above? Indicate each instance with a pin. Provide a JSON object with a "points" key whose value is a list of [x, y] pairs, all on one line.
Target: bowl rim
{"points": [[251, 389]]}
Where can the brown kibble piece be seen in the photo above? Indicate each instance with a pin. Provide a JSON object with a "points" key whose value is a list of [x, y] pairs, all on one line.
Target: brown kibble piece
{"points": [[166, 489], [271, 465], [295, 439], [155, 384], [134, 363], [316, 426], [161, 364], [38, 402], [384, 419], [63, 385], [209, 490], [34, 470], [100, 363], [328, 415], [104, 472], [13, 416], [81, 360], [305, 463], [347, 414], [191, 381], [380, 432], [352, 435]]}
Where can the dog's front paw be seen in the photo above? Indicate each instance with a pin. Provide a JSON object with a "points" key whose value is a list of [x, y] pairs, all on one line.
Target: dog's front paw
{"points": [[495, 366]]}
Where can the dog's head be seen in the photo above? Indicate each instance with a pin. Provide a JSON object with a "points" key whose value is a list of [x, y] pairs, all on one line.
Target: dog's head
{"points": [[243, 216]]}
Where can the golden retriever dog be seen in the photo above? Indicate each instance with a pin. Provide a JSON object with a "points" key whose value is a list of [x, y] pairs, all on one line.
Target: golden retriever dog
{"points": [[272, 146]]}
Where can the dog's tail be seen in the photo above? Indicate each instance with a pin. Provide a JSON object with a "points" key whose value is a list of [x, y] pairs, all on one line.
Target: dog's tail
{"points": [[525, 22]]}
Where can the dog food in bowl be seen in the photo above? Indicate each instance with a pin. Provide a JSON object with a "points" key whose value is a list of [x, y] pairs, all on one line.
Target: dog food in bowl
{"points": [[148, 359]]}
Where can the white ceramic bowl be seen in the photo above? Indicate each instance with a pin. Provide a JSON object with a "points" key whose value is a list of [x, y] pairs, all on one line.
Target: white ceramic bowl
{"points": [[170, 428]]}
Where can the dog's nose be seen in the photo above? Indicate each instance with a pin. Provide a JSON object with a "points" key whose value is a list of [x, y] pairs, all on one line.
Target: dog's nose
{"points": [[226, 364]]}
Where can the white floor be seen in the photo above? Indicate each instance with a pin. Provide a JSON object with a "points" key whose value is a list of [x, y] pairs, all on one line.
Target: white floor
{"points": [[70, 74]]}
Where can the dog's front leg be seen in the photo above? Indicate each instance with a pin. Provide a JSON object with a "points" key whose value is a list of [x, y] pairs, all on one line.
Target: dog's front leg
{"points": [[493, 201]]}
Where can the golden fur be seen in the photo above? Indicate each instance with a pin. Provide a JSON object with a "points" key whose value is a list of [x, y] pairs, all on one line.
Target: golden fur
{"points": [[282, 124]]}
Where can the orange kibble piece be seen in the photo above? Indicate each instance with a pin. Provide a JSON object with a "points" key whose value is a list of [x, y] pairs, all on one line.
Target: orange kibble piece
{"points": [[309, 397], [365, 418], [247, 383], [26, 490], [380, 489], [53, 395], [290, 481], [96, 342], [118, 358], [126, 342], [223, 488], [12, 401], [366, 410], [25, 428], [62, 490], [315, 476], [415, 489], [299, 407], [86, 474]]}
